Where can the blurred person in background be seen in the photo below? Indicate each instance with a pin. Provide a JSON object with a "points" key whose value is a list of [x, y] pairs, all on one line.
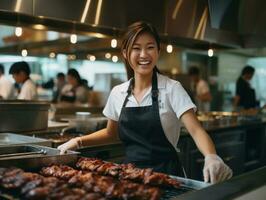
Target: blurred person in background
{"points": [[60, 82], [74, 91], [7, 90], [200, 90], [21, 74], [245, 97]]}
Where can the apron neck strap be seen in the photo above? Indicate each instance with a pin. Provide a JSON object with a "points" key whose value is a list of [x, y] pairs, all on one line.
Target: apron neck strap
{"points": [[154, 88]]}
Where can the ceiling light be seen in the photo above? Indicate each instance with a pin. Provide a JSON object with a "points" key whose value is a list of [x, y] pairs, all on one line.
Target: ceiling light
{"points": [[107, 55], [169, 48], [52, 55], [18, 31], [73, 38], [113, 43], [114, 58], [210, 52], [92, 58], [24, 52], [39, 26], [71, 57]]}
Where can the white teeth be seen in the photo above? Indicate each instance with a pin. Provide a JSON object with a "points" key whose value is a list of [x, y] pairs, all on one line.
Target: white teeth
{"points": [[144, 62]]}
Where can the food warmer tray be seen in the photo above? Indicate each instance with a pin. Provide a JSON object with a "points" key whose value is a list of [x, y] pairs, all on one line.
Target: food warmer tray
{"points": [[52, 156], [187, 186], [33, 157], [7, 139]]}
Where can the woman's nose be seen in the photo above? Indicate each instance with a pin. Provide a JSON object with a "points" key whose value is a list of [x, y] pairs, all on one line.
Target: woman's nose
{"points": [[143, 53]]}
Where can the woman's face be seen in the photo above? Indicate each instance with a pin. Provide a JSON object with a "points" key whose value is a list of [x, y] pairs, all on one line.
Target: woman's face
{"points": [[144, 54], [19, 77], [72, 80]]}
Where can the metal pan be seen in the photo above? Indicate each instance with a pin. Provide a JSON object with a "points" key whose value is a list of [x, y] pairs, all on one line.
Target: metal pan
{"points": [[34, 157], [7, 139]]}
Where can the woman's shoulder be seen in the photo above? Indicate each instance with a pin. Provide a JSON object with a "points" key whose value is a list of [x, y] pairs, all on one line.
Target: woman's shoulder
{"points": [[121, 88], [29, 83], [168, 83]]}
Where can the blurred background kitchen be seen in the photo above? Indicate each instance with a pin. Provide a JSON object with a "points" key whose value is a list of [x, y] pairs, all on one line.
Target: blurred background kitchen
{"points": [[219, 38]]}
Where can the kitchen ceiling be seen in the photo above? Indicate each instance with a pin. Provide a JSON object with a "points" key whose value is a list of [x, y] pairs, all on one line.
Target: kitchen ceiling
{"points": [[41, 43], [196, 24]]}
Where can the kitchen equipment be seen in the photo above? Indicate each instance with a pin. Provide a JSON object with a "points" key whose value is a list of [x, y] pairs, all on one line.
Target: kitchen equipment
{"points": [[34, 157], [218, 118], [62, 112], [7, 139], [60, 136], [51, 157], [85, 123], [56, 138], [23, 115], [10, 155], [188, 185]]}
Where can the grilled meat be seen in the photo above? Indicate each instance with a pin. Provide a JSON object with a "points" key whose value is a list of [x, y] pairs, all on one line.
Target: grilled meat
{"points": [[60, 171], [113, 188], [127, 172], [106, 185]]}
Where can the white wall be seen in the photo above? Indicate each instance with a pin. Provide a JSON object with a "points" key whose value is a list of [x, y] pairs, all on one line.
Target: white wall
{"points": [[229, 69]]}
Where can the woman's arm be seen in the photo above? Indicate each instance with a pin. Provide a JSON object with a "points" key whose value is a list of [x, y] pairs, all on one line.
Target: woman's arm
{"points": [[199, 135], [214, 170], [104, 136]]}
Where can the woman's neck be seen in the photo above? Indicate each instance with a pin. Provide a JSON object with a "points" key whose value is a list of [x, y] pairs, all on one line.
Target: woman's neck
{"points": [[142, 82]]}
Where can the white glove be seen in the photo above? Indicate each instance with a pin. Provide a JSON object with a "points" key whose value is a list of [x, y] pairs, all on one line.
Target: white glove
{"points": [[215, 170], [72, 144]]}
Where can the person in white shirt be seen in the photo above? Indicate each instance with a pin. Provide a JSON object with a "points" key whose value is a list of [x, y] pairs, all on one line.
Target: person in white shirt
{"points": [[7, 90], [146, 112], [200, 89], [21, 74], [74, 91]]}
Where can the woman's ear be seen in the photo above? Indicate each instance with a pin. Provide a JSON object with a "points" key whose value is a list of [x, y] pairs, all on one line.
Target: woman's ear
{"points": [[124, 54]]}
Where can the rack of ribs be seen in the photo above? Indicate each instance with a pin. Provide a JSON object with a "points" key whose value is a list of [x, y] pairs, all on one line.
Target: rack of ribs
{"points": [[127, 172], [108, 186], [26, 185]]}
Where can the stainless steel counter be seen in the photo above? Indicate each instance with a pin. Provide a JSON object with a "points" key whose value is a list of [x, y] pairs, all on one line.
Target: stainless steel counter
{"points": [[238, 187]]}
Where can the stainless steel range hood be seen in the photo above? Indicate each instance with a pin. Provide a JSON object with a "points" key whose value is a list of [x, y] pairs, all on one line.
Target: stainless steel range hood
{"points": [[175, 19]]}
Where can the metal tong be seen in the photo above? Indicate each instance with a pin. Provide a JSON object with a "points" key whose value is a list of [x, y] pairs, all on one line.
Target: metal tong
{"points": [[42, 151]]}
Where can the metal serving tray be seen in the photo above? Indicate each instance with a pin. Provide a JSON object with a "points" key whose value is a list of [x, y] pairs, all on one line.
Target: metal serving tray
{"points": [[44, 156], [188, 185], [34, 157], [7, 139]]}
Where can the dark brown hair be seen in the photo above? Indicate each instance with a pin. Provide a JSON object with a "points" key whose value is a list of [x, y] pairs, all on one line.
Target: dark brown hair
{"points": [[132, 32], [248, 70], [20, 67]]}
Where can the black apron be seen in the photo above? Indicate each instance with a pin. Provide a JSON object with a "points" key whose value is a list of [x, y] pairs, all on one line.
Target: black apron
{"points": [[141, 132]]}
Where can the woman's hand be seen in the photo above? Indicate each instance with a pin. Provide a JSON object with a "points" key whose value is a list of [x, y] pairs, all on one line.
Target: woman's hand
{"points": [[72, 144], [215, 170]]}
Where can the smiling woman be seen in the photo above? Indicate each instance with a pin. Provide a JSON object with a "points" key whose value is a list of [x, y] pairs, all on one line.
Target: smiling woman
{"points": [[146, 112]]}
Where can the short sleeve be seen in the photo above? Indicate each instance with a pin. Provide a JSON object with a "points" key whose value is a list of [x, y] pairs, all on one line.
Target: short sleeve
{"points": [[180, 100], [110, 110]]}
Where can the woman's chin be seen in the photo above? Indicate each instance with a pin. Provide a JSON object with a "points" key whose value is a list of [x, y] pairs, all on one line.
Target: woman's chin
{"points": [[145, 70]]}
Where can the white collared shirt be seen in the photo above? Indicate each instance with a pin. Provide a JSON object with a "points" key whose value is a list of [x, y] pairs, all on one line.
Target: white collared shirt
{"points": [[173, 102], [28, 91], [7, 90]]}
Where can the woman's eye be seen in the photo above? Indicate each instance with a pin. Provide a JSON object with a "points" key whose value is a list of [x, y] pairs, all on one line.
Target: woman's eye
{"points": [[136, 48], [151, 47]]}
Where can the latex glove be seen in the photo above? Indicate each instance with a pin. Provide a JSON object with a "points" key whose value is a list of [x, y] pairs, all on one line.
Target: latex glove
{"points": [[72, 144], [215, 170]]}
